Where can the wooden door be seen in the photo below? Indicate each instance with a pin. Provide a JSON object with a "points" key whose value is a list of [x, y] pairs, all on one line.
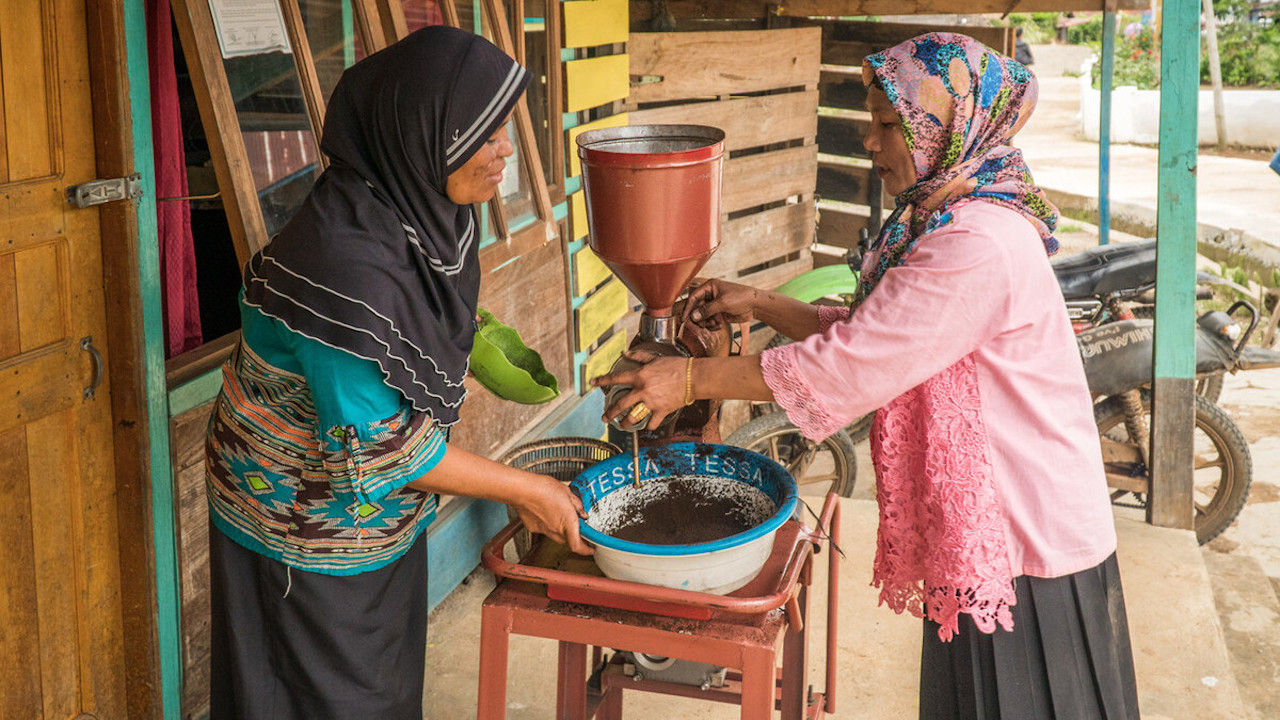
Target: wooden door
{"points": [[61, 613]]}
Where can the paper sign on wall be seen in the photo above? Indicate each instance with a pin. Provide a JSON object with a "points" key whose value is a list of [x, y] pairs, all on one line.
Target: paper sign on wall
{"points": [[249, 27]]}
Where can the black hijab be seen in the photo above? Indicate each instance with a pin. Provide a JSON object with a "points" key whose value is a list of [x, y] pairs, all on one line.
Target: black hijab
{"points": [[378, 261]]}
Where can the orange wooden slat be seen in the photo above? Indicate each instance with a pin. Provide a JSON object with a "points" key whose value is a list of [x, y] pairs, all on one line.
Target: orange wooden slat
{"points": [[688, 65]]}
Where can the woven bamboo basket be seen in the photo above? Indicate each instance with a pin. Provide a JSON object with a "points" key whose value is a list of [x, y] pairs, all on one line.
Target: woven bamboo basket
{"points": [[559, 457]]}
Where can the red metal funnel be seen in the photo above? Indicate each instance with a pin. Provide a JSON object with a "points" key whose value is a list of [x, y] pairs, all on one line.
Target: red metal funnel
{"points": [[653, 204]]}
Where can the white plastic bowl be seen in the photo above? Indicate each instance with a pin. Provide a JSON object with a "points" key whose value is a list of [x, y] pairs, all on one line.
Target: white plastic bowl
{"points": [[718, 567]]}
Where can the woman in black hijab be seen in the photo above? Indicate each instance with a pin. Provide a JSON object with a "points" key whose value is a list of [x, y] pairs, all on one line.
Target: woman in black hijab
{"points": [[327, 444]]}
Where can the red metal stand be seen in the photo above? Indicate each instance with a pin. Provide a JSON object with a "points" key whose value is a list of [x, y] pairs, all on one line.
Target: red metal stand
{"points": [[744, 630]]}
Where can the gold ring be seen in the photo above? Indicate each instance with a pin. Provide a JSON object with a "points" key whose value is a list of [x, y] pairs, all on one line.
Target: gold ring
{"points": [[639, 412]]}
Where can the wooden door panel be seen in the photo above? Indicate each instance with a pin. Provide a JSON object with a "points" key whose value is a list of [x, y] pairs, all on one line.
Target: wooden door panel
{"points": [[8, 308], [40, 275], [57, 535], [41, 383], [61, 619], [19, 631], [29, 109]]}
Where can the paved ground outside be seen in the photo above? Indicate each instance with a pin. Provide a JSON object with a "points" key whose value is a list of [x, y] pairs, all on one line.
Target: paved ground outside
{"points": [[1231, 193]]}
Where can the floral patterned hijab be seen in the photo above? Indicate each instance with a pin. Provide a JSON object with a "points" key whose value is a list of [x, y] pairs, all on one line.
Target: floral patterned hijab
{"points": [[961, 103]]}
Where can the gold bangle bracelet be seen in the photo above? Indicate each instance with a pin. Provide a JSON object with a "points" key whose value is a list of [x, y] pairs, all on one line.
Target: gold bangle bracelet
{"points": [[688, 383]]}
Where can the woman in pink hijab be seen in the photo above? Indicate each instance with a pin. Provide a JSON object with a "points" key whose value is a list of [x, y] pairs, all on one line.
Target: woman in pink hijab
{"points": [[995, 522]]}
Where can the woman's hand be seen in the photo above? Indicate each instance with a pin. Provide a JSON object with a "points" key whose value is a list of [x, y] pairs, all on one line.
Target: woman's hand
{"points": [[549, 507], [716, 302], [659, 382]]}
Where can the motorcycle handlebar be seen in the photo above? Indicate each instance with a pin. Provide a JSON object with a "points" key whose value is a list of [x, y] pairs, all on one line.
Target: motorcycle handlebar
{"points": [[1253, 321]]}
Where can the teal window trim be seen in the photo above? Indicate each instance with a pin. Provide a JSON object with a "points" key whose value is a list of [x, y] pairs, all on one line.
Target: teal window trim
{"points": [[163, 522], [572, 184], [560, 211], [348, 35], [487, 237], [522, 222], [195, 392]]}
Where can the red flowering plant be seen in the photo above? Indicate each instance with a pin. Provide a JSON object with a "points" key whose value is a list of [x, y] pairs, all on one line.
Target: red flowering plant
{"points": [[1137, 55]]}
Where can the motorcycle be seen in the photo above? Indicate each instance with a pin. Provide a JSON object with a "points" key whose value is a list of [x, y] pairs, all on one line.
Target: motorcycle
{"points": [[1117, 282], [1110, 299], [1118, 365]]}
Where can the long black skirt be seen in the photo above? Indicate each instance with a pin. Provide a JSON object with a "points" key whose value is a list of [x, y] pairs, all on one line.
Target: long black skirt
{"points": [[289, 644], [1068, 656]]}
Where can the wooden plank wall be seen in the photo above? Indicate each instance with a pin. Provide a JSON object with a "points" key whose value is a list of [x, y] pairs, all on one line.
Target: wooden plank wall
{"points": [[766, 101], [527, 293], [186, 453], [596, 68]]}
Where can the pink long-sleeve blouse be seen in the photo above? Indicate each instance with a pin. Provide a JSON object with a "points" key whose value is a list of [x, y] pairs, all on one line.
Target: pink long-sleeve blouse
{"points": [[976, 307]]}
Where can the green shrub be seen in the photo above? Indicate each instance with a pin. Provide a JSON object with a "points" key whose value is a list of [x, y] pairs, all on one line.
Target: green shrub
{"points": [[1137, 58], [1088, 32], [1249, 53], [1037, 27]]}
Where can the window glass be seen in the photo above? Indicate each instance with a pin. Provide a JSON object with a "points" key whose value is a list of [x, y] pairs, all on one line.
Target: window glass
{"points": [[536, 58], [516, 190], [272, 116], [335, 44], [421, 13]]}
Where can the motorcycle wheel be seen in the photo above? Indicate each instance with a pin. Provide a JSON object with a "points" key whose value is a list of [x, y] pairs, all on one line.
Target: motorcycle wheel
{"points": [[858, 430], [1223, 466], [828, 466]]}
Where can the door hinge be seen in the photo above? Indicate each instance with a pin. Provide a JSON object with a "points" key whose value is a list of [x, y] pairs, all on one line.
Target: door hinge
{"points": [[98, 192]]}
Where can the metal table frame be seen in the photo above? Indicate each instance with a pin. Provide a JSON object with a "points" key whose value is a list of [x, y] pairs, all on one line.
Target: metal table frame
{"points": [[746, 631]]}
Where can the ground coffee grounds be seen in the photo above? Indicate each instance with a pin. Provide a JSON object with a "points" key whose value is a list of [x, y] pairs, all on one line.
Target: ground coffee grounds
{"points": [[682, 510]]}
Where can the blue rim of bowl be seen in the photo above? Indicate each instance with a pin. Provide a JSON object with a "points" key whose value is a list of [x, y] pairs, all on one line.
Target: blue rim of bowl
{"points": [[785, 510]]}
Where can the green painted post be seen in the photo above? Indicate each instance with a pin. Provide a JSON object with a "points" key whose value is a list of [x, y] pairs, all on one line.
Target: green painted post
{"points": [[163, 524], [1104, 126], [1173, 417]]}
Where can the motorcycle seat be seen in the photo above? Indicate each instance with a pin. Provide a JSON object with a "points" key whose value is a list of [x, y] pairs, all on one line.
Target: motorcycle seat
{"points": [[1107, 268]]}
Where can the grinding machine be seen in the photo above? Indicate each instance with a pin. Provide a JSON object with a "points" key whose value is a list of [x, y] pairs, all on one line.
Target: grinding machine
{"points": [[653, 208]]}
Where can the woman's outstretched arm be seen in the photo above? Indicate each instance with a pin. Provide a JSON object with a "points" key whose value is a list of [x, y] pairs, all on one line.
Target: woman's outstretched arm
{"points": [[718, 301], [545, 505]]}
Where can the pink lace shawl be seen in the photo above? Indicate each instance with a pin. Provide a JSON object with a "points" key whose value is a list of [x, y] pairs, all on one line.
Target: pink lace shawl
{"points": [[941, 547]]}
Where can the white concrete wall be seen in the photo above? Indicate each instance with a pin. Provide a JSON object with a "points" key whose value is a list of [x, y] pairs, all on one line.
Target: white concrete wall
{"points": [[1253, 116]]}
